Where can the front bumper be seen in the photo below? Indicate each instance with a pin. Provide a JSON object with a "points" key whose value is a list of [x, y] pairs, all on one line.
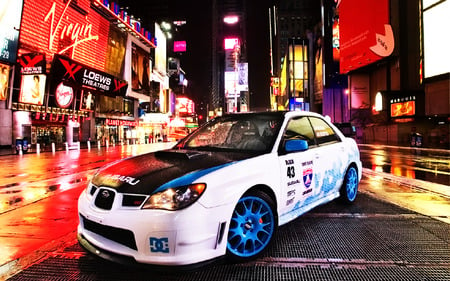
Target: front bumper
{"points": [[189, 236]]}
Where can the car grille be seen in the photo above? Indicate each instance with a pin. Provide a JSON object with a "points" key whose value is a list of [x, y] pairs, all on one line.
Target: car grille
{"points": [[119, 235], [133, 200], [105, 199]]}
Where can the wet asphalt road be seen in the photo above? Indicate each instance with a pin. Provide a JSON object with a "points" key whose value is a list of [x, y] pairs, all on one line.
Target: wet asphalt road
{"points": [[370, 240], [432, 165]]}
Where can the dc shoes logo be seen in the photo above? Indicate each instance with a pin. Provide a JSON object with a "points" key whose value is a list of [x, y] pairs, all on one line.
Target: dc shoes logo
{"points": [[159, 245]]}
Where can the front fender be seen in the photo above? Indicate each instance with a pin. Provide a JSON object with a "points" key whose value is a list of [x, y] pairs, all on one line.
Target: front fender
{"points": [[227, 185]]}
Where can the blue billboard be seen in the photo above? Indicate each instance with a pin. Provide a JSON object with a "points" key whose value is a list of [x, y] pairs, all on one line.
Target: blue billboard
{"points": [[10, 17]]}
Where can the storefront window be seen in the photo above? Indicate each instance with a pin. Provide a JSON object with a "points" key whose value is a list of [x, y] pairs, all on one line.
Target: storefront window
{"points": [[46, 135]]}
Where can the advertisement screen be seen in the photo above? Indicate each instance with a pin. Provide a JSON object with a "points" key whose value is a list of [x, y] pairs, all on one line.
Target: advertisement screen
{"points": [[179, 46], [4, 81], [32, 89], [140, 70], [365, 33], [435, 18], [403, 109], [10, 15], [242, 84], [87, 101], [185, 106]]}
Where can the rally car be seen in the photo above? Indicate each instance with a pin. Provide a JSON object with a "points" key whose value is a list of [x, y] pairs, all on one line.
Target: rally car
{"points": [[220, 192]]}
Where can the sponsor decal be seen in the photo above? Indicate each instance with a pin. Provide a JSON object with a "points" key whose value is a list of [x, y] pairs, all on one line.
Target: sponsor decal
{"points": [[293, 182], [307, 173], [159, 245], [129, 180]]}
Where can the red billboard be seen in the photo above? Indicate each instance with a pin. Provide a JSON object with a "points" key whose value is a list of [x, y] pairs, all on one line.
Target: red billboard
{"points": [[68, 27], [185, 106], [365, 33]]}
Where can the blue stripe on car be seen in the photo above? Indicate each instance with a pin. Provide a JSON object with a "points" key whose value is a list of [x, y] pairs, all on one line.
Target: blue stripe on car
{"points": [[189, 178]]}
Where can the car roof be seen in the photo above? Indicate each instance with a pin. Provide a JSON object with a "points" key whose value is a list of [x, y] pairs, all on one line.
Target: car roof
{"points": [[287, 113]]}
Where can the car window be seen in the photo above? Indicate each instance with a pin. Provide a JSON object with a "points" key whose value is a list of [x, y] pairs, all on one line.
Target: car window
{"points": [[323, 132], [299, 129], [246, 132]]}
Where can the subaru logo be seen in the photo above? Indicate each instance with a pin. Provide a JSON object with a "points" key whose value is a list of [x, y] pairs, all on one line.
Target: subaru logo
{"points": [[105, 193]]}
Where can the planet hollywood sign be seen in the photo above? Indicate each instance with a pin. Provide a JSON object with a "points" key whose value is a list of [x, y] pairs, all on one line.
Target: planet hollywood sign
{"points": [[116, 122]]}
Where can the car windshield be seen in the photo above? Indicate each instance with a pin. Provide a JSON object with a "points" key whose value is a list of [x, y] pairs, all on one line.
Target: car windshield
{"points": [[243, 132]]}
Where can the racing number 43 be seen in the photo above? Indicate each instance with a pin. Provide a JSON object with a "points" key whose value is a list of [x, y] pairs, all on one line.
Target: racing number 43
{"points": [[290, 172]]}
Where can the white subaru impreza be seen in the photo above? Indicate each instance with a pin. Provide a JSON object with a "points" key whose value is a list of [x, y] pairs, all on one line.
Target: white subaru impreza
{"points": [[221, 191]]}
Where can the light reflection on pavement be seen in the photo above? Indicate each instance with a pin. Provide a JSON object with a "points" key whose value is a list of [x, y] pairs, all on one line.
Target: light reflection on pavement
{"points": [[432, 165], [28, 178]]}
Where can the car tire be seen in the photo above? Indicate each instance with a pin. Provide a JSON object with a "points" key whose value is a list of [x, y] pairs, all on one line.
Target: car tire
{"points": [[349, 188], [252, 227]]}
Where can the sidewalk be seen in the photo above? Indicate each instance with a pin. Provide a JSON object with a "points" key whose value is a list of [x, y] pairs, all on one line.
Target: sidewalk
{"points": [[29, 233]]}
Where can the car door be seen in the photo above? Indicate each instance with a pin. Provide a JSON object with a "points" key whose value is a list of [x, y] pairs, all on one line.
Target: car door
{"points": [[296, 169], [329, 157]]}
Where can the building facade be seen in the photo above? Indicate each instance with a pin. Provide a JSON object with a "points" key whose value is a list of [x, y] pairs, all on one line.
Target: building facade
{"points": [[83, 69], [392, 54]]}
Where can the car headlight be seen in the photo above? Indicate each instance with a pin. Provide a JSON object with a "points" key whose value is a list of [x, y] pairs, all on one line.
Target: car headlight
{"points": [[175, 198]]}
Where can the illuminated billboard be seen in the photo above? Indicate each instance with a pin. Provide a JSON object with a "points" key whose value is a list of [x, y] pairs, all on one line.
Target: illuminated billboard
{"points": [[70, 28], [179, 46], [32, 63], [436, 55], [184, 106], [78, 75], [140, 70], [365, 33], [231, 43], [407, 108], [10, 15], [4, 81], [32, 89]]}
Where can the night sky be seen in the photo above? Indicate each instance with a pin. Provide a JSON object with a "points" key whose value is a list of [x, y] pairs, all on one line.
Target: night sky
{"points": [[197, 32]]}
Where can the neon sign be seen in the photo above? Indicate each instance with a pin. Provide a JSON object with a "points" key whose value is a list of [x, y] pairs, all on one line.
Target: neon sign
{"points": [[78, 33], [185, 105], [116, 122], [403, 109]]}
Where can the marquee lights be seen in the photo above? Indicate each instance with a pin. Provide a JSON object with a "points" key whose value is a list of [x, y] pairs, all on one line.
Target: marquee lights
{"points": [[114, 9]]}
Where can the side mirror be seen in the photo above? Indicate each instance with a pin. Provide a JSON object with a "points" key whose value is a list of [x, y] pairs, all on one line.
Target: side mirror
{"points": [[296, 145]]}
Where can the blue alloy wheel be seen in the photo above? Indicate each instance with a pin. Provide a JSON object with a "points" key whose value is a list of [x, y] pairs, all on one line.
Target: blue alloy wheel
{"points": [[350, 186], [252, 226]]}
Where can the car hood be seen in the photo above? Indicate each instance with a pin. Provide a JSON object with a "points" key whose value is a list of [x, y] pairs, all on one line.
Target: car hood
{"points": [[153, 172]]}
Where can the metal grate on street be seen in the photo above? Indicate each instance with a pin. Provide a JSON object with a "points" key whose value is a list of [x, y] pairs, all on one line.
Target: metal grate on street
{"points": [[370, 240]]}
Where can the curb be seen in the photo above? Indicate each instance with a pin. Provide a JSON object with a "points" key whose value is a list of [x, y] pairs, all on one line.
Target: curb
{"points": [[435, 188], [8, 269]]}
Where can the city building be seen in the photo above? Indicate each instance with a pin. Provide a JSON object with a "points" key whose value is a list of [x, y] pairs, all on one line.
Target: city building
{"points": [[83, 68], [392, 54], [375, 65]]}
